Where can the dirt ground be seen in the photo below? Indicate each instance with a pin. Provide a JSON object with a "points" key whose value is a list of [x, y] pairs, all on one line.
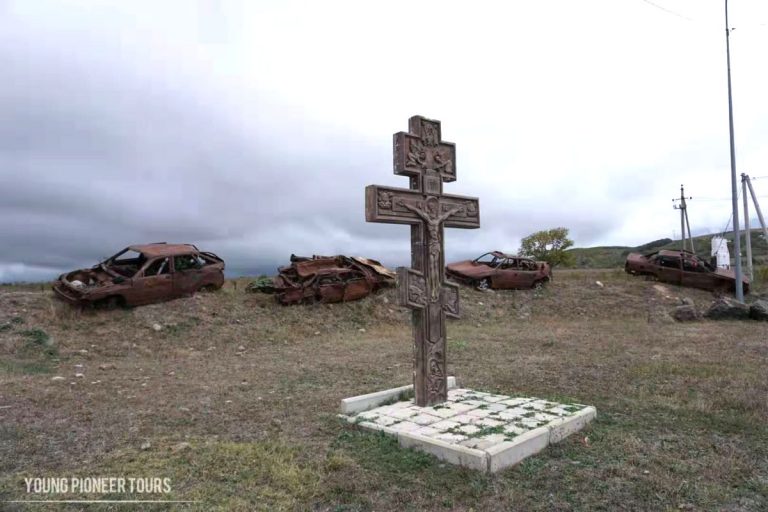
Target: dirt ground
{"points": [[234, 399]]}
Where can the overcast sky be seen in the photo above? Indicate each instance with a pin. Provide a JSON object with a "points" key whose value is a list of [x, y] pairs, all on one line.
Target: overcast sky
{"points": [[251, 128]]}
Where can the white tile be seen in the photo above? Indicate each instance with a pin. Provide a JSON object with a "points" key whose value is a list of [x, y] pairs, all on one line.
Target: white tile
{"points": [[450, 438], [483, 443], [514, 402], [478, 413], [468, 429], [473, 403], [488, 422], [495, 398], [542, 416], [514, 430], [403, 413], [424, 419], [385, 420], [445, 425], [427, 431], [464, 419], [442, 412], [512, 414], [459, 407], [403, 426]]}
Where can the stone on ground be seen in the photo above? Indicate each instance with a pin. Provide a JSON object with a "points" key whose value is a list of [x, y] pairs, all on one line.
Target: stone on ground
{"points": [[685, 313], [726, 308], [759, 310]]}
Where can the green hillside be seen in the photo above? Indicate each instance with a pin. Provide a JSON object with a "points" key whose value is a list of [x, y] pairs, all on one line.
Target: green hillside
{"points": [[614, 256]]}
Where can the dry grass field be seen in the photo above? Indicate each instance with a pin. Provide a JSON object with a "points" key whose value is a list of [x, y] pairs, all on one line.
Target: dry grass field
{"points": [[235, 398]]}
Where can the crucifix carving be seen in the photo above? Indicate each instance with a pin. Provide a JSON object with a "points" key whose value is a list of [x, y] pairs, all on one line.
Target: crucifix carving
{"points": [[428, 161]]}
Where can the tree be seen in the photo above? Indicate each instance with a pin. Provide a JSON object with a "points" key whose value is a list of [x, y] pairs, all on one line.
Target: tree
{"points": [[549, 245]]}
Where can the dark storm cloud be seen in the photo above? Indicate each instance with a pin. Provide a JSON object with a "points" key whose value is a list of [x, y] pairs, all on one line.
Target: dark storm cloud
{"points": [[97, 152]]}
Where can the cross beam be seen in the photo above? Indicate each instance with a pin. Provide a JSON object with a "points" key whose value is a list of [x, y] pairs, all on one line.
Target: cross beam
{"points": [[421, 155]]}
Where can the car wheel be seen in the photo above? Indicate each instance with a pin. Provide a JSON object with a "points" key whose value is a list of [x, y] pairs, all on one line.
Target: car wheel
{"points": [[484, 284], [111, 303], [208, 288]]}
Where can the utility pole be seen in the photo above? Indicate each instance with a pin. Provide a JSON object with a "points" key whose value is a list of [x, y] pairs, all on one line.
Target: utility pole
{"points": [[757, 207], [747, 229], [684, 219], [734, 201]]}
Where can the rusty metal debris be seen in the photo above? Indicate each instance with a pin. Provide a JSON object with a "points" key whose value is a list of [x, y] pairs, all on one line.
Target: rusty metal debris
{"points": [[498, 270], [325, 279], [142, 274], [683, 268]]}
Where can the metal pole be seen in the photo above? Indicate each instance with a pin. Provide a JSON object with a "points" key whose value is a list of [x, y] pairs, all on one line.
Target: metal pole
{"points": [[682, 217], [735, 203], [690, 236], [757, 208], [747, 230]]}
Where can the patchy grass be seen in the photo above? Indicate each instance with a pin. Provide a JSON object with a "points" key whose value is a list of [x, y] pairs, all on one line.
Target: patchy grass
{"points": [[254, 388]]}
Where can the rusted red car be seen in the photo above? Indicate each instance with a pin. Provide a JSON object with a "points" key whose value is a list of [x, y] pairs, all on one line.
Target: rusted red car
{"points": [[683, 268], [329, 279], [142, 274], [498, 270]]}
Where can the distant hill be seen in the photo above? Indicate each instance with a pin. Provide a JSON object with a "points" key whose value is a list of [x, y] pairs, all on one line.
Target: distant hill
{"points": [[614, 256]]}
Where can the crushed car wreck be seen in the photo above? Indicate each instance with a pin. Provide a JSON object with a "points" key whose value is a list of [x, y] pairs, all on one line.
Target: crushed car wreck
{"points": [[498, 270], [142, 274], [326, 279], [683, 268]]}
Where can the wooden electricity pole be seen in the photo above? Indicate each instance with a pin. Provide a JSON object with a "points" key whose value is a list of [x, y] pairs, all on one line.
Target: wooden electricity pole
{"points": [[683, 207]]}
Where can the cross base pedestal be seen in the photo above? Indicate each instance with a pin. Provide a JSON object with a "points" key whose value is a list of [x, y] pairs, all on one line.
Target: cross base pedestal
{"points": [[478, 430]]}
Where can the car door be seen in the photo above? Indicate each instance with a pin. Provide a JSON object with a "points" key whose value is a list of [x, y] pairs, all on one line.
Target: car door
{"points": [[187, 274], [696, 275], [153, 284], [330, 288], [668, 269], [510, 275], [356, 285]]}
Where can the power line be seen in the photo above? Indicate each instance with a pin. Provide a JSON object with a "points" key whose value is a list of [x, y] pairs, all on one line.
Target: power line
{"points": [[725, 229], [669, 11], [706, 22]]}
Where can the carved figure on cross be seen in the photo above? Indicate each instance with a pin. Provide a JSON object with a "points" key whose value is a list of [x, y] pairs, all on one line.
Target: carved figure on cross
{"points": [[428, 161], [429, 212]]}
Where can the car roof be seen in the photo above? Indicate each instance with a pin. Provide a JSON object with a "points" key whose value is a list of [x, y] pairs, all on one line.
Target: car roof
{"points": [[500, 254], [163, 249], [669, 252]]}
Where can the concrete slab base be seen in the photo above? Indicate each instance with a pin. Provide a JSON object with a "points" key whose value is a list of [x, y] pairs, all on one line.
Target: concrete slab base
{"points": [[478, 430]]}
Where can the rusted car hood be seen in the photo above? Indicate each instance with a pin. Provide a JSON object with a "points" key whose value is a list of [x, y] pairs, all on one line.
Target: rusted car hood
{"points": [[469, 268], [84, 279], [730, 273], [376, 267], [310, 267]]}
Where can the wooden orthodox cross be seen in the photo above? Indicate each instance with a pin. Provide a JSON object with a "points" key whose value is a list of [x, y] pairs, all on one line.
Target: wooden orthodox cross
{"points": [[421, 155]]}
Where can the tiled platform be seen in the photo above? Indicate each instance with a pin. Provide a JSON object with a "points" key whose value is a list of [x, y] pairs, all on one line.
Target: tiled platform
{"points": [[479, 430]]}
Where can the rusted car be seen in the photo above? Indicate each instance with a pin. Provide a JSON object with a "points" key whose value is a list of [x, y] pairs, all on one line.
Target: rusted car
{"points": [[327, 279], [683, 268], [497, 270], [142, 274]]}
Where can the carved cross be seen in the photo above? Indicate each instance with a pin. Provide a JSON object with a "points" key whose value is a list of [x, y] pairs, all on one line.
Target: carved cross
{"points": [[421, 155]]}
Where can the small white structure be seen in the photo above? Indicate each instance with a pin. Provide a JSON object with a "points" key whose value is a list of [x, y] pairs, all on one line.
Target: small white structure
{"points": [[720, 250]]}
